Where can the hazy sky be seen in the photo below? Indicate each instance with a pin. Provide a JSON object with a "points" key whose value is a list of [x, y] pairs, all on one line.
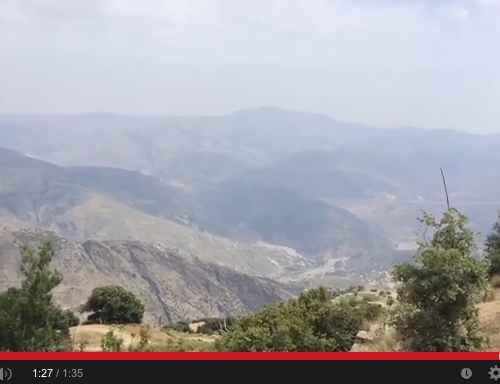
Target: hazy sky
{"points": [[433, 63]]}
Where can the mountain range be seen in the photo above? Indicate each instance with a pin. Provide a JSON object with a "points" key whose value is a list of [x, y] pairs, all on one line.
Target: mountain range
{"points": [[266, 198]]}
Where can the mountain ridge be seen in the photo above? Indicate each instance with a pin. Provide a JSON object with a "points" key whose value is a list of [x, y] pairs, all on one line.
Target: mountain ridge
{"points": [[264, 175], [96, 202]]}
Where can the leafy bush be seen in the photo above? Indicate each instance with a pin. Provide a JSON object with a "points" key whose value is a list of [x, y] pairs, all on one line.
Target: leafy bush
{"points": [[438, 293], [371, 311], [110, 342], [309, 323], [72, 319]]}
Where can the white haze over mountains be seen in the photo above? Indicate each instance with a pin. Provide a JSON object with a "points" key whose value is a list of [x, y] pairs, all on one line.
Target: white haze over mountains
{"points": [[426, 63]]}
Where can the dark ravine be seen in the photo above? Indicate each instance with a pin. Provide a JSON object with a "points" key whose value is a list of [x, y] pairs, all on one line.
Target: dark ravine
{"points": [[153, 288]]}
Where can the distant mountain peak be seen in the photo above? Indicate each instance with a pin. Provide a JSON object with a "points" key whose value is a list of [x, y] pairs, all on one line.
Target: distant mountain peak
{"points": [[263, 108], [266, 111]]}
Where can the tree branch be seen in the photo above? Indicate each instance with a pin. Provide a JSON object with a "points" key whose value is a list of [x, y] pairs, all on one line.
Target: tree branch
{"points": [[445, 188]]}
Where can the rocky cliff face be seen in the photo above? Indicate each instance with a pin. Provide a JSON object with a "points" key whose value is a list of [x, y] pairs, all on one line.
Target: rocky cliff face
{"points": [[173, 286]]}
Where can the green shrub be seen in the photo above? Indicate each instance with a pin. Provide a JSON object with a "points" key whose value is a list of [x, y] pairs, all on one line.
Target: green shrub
{"points": [[180, 326], [72, 319], [111, 342], [310, 323]]}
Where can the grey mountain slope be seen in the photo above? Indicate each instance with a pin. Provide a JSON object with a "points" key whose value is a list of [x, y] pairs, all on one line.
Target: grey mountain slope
{"points": [[411, 156], [238, 211], [97, 207], [25, 179], [404, 162], [312, 175], [173, 285], [146, 193], [280, 216]]}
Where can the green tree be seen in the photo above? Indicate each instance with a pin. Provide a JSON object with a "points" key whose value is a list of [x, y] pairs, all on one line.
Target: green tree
{"points": [[309, 323], [492, 249], [66, 318], [436, 299], [30, 321], [113, 304]]}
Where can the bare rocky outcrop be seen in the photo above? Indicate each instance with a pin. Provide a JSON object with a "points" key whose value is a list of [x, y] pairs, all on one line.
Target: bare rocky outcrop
{"points": [[173, 285]]}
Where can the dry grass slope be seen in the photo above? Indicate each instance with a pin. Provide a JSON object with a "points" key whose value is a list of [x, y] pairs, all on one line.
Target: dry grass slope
{"points": [[88, 337], [489, 314]]}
